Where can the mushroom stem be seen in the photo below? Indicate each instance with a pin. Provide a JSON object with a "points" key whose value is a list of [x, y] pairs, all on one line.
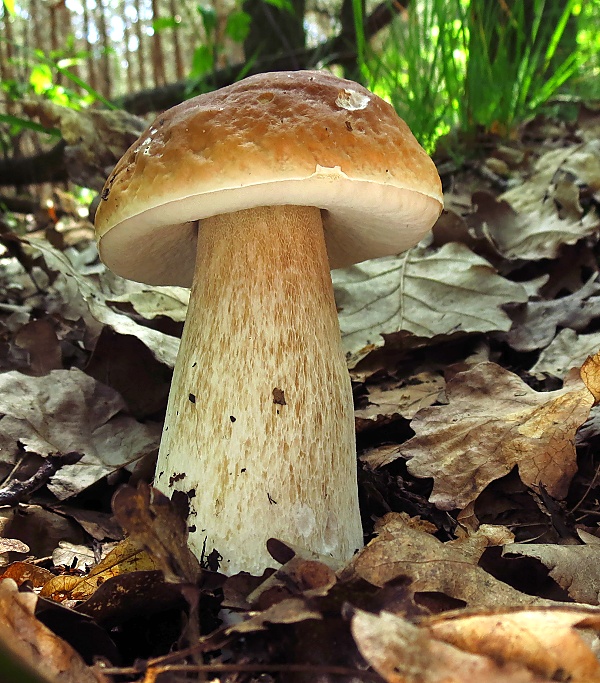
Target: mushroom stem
{"points": [[259, 428]]}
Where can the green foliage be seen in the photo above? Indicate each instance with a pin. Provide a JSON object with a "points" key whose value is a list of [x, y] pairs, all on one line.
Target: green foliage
{"points": [[238, 26], [472, 64], [162, 23]]}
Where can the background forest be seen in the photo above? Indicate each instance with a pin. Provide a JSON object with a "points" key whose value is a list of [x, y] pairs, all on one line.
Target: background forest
{"points": [[474, 358]]}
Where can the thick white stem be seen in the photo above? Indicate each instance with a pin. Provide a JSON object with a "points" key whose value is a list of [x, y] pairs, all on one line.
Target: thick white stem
{"points": [[260, 429]]}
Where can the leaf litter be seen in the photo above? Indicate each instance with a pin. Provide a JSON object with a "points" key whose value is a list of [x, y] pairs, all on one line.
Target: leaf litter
{"points": [[474, 362]]}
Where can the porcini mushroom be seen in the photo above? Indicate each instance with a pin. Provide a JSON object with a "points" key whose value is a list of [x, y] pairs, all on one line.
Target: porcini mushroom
{"points": [[250, 194]]}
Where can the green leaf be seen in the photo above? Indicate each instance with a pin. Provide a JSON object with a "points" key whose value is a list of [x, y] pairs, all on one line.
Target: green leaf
{"points": [[238, 26], [202, 61], [209, 19], [28, 124], [282, 4], [40, 78], [162, 23], [10, 6]]}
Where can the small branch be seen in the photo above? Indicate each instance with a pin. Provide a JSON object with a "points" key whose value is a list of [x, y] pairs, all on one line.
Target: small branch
{"points": [[249, 668], [18, 491]]}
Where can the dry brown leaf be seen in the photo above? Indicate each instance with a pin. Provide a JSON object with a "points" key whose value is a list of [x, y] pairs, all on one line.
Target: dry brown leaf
{"points": [[65, 411], [567, 350], [494, 421], [535, 325], [290, 611], [153, 523], [126, 557], [32, 642], [404, 548], [81, 297], [576, 568], [403, 397], [404, 653], [535, 219], [25, 571], [426, 292], [546, 641]]}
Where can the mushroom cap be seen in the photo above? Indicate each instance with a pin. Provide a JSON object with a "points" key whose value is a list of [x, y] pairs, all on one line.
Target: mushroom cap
{"points": [[302, 138]]}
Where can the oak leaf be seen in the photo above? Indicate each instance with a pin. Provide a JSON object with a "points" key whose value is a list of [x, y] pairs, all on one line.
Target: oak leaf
{"points": [[492, 423]]}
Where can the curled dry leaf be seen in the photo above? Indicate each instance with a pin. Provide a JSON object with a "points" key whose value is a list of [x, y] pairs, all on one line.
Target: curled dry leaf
{"points": [[494, 421], [516, 646], [403, 548], [82, 298], [547, 641], [425, 292], [536, 218], [534, 326], [68, 411], [401, 652], [153, 523], [403, 397], [126, 557], [567, 350], [36, 645], [576, 568]]}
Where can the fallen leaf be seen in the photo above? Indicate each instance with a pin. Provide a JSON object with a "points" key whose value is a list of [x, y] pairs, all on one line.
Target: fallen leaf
{"points": [[494, 421], [535, 325], [82, 298], [402, 652], [404, 397], [126, 557], [425, 292], [12, 545], [576, 568], [403, 549], [533, 221], [66, 411], [567, 350], [548, 641], [152, 302], [35, 644], [290, 611], [21, 572], [153, 523]]}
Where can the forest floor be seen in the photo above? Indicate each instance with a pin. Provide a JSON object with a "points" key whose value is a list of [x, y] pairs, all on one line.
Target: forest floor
{"points": [[476, 376]]}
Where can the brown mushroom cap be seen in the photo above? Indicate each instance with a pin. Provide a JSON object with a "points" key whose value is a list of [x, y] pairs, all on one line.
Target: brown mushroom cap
{"points": [[302, 138]]}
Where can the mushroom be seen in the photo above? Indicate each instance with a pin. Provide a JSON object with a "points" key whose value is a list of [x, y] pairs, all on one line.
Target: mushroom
{"points": [[250, 194]]}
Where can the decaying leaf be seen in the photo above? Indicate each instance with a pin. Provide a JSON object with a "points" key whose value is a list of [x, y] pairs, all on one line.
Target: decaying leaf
{"points": [[68, 411], [152, 302], [404, 548], [425, 292], [567, 350], [401, 652], [518, 646], [153, 523], [82, 298], [535, 326], [404, 397], [35, 644], [576, 568], [548, 641], [126, 557], [535, 219], [494, 421]]}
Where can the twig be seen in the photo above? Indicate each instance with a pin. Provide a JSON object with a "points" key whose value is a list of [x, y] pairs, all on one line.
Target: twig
{"points": [[17, 491], [250, 668]]}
